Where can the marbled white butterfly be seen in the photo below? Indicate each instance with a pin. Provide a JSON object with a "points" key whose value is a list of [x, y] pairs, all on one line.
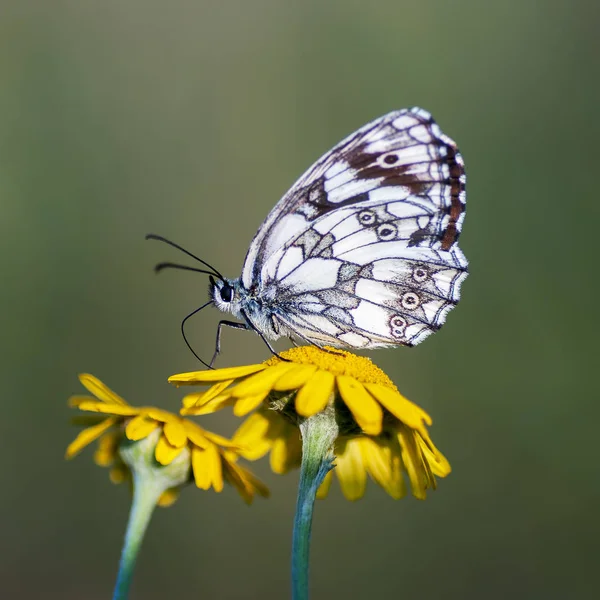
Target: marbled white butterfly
{"points": [[362, 251]]}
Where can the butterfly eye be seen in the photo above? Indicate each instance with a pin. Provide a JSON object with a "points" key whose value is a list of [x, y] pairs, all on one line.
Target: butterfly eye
{"points": [[226, 293]]}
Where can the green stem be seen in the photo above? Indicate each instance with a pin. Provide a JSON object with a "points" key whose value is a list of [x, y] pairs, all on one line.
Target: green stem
{"points": [[318, 435], [146, 492]]}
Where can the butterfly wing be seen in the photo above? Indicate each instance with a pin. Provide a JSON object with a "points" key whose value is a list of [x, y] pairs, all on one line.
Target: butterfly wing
{"points": [[361, 252]]}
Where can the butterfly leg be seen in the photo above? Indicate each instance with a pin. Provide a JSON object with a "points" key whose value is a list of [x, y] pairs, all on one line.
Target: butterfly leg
{"points": [[233, 325], [266, 341]]}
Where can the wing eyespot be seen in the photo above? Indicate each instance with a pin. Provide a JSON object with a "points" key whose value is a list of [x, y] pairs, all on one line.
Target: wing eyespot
{"points": [[387, 232], [420, 274], [398, 326], [367, 218], [389, 160], [410, 301]]}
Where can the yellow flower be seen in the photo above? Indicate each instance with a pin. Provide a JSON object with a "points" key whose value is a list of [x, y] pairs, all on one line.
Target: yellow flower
{"points": [[212, 459], [382, 434]]}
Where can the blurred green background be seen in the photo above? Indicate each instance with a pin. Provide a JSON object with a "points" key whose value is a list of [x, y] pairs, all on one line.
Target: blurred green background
{"points": [[190, 119]]}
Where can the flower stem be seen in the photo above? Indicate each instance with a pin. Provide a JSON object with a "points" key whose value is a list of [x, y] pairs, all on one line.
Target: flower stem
{"points": [[146, 492], [318, 435]]}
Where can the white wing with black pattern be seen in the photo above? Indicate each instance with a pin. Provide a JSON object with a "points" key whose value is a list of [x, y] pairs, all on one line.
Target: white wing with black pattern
{"points": [[362, 251]]}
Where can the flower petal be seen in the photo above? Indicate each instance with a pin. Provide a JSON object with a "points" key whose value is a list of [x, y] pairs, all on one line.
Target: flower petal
{"points": [[260, 382], [245, 482], [195, 434], [219, 440], [206, 465], [286, 453], [98, 389], [165, 453], [87, 436], [313, 396], [158, 414], [209, 407], [201, 398], [252, 483], [323, 490], [413, 464], [251, 436], [190, 400], [364, 408], [106, 450], [139, 427], [123, 410], [402, 408], [350, 469], [244, 405], [75, 401], [384, 465], [437, 461], [207, 376], [295, 378], [174, 431], [119, 473], [168, 497]]}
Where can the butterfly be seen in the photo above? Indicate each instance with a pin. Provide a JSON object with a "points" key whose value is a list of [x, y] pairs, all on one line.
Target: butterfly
{"points": [[362, 251]]}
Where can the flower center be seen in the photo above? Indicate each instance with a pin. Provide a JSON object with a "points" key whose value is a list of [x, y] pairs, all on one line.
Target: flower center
{"points": [[337, 362]]}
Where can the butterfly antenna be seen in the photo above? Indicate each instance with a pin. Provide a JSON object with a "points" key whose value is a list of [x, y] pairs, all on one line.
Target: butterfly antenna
{"points": [[160, 238], [185, 337], [168, 265]]}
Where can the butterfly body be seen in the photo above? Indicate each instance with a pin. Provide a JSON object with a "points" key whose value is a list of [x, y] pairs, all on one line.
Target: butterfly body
{"points": [[362, 251]]}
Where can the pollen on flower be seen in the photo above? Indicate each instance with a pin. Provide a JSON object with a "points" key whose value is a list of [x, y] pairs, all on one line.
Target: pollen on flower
{"points": [[337, 362]]}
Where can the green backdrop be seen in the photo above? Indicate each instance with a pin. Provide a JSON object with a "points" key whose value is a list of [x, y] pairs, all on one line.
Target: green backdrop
{"points": [[190, 119]]}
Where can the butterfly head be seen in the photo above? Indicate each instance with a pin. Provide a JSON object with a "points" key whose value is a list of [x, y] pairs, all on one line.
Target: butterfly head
{"points": [[225, 293]]}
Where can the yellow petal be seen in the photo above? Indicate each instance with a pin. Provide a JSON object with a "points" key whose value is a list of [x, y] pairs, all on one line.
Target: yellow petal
{"points": [[119, 473], [98, 389], [286, 452], [106, 450], [437, 461], [139, 427], [364, 408], [203, 397], [402, 408], [219, 440], [75, 401], [108, 409], [214, 375], [252, 482], [157, 414], [412, 463], [210, 407], [191, 399], [206, 465], [350, 470], [260, 382], [383, 465], [295, 378], [195, 434], [313, 396], [87, 436], [325, 486], [174, 431], [251, 436], [244, 405], [168, 497], [165, 453], [233, 476]]}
